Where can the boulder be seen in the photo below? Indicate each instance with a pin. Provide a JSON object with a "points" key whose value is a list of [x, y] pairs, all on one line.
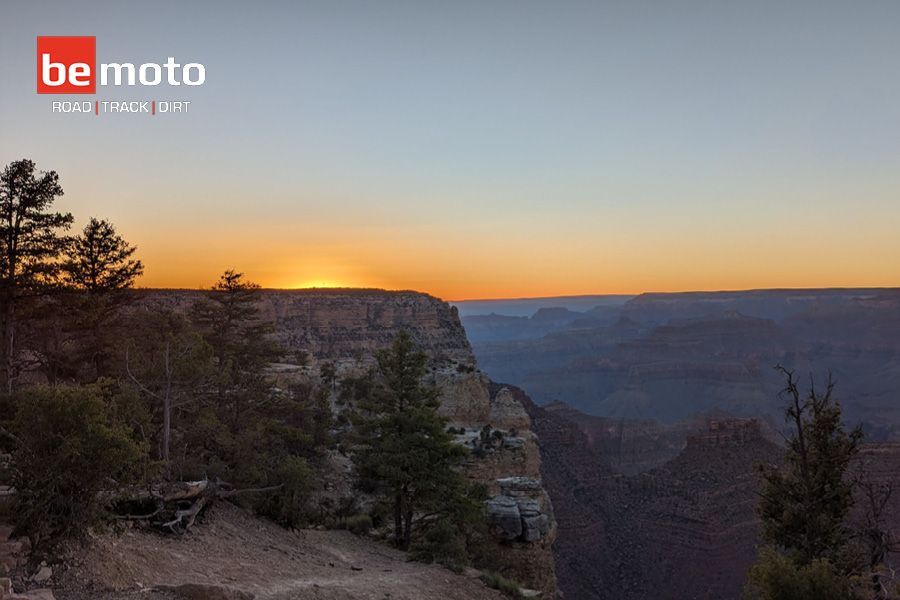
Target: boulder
{"points": [[519, 486], [42, 575], [518, 518], [535, 527], [503, 515], [514, 442]]}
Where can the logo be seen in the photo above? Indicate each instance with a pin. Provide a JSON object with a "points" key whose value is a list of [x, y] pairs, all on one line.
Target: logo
{"points": [[68, 65]]}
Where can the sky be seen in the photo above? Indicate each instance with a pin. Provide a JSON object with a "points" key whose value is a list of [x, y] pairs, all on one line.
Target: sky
{"points": [[484, 149]]}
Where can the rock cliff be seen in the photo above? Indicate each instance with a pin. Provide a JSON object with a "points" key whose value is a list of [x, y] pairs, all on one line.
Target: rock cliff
{"points": [[349, 323], [685, 529]]}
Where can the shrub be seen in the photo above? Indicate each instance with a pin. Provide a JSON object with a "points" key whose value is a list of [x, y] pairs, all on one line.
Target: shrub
{"points": [[72, 449], [288, 504], [777, 577], [443, 543], [359, 524], [499, 582]]}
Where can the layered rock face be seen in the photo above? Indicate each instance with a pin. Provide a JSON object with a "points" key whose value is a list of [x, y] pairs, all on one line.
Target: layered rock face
{"points": [[349, 323], [685, 529], [628, 446], [493, 423]]}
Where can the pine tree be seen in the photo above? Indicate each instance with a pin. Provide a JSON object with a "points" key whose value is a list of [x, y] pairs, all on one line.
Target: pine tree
{"points": [[404, 447], [98, 264], [31, 241], [228, 319], [255, 435], [99, 260], [805, 504]]}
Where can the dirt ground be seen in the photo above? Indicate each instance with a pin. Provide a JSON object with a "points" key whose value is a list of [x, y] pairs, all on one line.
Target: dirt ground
{"points": [[233, 548]]}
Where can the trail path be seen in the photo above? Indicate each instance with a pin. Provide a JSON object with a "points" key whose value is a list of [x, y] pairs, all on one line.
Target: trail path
{"points": [[235, 549]]}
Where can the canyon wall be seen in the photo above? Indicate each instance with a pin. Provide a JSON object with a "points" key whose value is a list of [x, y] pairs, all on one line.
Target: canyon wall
{"points": [[686, 528], [348, 324]]}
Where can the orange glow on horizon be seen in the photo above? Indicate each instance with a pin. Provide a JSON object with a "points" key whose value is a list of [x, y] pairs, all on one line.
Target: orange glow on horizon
{"points": [[465, 257], [481, 290]]}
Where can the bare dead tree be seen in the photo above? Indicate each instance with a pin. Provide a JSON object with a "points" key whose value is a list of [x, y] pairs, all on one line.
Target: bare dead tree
{"points": [[872, 533], [173, 507], [168, 388]]}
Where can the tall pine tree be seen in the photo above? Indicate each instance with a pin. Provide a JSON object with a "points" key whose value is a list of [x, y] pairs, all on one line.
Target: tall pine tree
{"points": [[99, 265], [404, 448], [31, 241]]}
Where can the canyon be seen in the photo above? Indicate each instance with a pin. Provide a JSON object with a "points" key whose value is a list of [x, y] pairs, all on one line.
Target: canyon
{"points": [[652, 411], [686, 528], [649, 493], [672, 357]]}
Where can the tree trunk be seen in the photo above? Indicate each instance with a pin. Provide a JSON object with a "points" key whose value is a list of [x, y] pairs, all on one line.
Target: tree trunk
{"points": [[167, 408], [176, 505], [398, 519], [407, 527], [167, 429], [9, 338]]}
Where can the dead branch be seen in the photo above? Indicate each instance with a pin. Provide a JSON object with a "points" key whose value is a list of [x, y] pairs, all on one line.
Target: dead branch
{"points": [[174, 507]]}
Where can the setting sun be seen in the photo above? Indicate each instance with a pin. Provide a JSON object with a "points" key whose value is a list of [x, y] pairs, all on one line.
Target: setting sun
{"points": [[320, 283]]}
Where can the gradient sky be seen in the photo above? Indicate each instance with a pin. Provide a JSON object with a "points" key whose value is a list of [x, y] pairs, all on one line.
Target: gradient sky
{"points": [[485, 149]]}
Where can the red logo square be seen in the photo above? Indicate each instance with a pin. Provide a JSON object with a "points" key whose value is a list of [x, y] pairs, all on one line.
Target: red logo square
{"points": [[66, 64]]}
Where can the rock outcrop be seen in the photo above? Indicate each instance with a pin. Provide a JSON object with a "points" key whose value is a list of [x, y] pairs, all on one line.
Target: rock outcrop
{"points": [[13, 555], [341, 324], [522, 510], [491, 421]]}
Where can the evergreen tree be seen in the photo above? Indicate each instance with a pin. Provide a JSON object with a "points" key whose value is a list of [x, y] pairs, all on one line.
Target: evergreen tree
{"points": [[73, 447], [99, 264], [100, 261], [404, 448], [254, 434], [805, 504], [228, 319], [31, 241]]}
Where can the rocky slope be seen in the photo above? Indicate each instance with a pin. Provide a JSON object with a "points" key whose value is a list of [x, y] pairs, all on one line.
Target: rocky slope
{"points": [[233, 555]]}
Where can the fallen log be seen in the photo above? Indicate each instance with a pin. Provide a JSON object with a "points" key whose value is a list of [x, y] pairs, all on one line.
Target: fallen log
{"points": [[173, 507]]}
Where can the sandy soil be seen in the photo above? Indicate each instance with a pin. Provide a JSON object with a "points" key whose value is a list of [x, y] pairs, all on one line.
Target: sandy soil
{"points": [[232, 548]]}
